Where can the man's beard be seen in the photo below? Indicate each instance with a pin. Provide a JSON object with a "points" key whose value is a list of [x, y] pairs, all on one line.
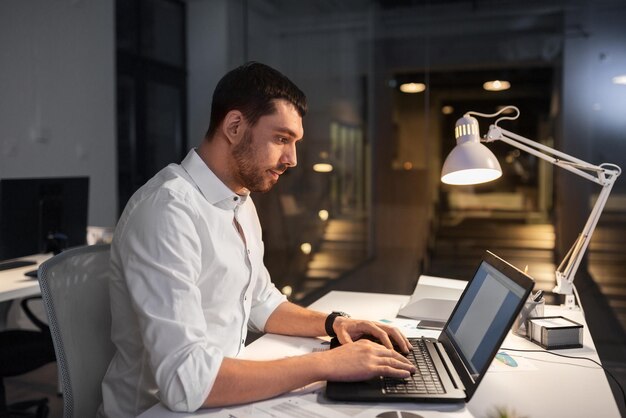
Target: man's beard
{"points": [[249, 174]]}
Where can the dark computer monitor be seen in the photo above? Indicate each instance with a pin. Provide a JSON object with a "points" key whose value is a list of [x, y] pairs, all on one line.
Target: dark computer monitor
{"points": [[39, 213]]}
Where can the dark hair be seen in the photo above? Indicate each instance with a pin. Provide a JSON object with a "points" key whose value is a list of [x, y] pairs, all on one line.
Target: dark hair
{"points": [[251, 89]]}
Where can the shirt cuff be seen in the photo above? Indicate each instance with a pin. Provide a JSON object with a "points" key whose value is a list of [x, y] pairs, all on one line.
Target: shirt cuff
{"points": [[196, 377], [259, 314]]}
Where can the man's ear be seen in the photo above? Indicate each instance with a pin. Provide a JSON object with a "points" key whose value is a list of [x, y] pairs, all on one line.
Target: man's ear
{"points": [[233, 126]]}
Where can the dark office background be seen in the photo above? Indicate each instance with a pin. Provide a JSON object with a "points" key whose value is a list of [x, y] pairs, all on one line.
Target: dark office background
{"points": [[115, 90]]}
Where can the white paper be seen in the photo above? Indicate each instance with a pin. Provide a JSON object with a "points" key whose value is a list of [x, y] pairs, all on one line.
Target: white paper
{"points": [[315, 405], [433, 299]]}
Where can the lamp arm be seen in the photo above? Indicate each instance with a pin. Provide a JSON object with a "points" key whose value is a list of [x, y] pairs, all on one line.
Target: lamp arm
{"points": [[566, 271], [546, 153], [605, 175]]}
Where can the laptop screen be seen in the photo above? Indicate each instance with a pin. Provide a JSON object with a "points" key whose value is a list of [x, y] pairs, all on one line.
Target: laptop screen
{"points": [[483, 316]]}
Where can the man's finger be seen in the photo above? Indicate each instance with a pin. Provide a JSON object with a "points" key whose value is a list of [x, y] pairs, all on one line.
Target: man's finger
{"points": [[401, 341], [381, 335], [393, 365], [344, 337], [399, 357]]}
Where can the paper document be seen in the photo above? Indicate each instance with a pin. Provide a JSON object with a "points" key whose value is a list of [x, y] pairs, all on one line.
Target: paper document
{"points": [[433, 302], [314, 405]]}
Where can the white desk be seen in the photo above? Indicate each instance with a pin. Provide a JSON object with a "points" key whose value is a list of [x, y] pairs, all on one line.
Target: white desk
{"points": [[14, 284], [543, 386]]}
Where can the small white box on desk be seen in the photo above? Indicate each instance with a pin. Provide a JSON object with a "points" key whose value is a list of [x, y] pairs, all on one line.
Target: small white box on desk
{"points": [[555, 332]]}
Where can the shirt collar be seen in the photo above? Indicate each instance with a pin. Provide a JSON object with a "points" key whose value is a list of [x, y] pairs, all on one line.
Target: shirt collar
{"points": [[211, 187]]}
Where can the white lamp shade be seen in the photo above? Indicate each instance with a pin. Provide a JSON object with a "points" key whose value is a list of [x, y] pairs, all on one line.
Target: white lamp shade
{"points": [[470, 162]]}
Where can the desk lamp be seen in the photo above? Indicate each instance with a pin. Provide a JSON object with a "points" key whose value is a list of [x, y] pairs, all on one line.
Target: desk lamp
{"points": [[471, 162]]}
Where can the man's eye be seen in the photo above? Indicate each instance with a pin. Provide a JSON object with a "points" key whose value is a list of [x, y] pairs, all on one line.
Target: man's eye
{"points": [[283, 140]]}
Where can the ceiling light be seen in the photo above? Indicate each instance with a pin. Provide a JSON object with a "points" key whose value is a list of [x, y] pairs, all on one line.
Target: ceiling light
{"points": [[287, 290], [447, 110], [496, 85], [306, 248], [620, 79], [322, 168], [323, 214], [412, 87]]}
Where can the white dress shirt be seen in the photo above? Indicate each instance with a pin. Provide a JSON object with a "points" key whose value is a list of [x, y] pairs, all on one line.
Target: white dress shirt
{"points": [[185, 287]]}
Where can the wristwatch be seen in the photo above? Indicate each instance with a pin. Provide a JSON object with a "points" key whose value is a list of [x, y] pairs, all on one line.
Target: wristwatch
{"points": [[330, 320]]}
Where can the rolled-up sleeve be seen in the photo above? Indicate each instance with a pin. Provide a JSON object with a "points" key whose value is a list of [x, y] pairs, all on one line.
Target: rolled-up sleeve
{"points": [[265, 299], [160, 257]]}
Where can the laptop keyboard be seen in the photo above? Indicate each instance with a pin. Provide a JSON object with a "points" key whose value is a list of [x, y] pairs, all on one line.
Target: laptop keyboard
{"points": [[425, 380]]}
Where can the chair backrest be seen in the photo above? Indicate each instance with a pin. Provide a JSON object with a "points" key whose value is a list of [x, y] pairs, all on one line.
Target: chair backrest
{"points": [[75, 291]]}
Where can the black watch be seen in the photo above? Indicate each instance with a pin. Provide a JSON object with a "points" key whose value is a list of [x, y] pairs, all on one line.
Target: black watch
{"points": [[330, 320]]}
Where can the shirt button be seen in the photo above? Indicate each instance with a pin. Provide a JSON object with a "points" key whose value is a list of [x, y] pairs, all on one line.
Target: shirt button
{"points": [[242, 342], [248, 251], [245, 298], [236, 198]]}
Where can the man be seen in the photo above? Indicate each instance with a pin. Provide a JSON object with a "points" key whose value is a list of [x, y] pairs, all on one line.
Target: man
{"points": [[188, 277]]}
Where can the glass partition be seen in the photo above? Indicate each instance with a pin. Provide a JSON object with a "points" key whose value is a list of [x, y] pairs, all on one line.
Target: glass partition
{"points": [[367, 186]]}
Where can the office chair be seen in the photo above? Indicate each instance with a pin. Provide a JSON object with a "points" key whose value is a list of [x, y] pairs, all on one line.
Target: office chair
{"points": [[22, 351], [74, 287]]}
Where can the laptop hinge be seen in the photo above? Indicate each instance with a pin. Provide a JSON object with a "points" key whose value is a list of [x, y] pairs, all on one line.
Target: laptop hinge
{"points": [[456, 379]]}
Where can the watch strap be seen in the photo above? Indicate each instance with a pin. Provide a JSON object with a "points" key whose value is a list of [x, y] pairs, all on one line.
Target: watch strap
{"points": [[330, 321]]}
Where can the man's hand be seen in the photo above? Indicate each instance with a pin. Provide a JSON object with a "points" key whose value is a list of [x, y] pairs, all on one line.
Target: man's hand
{"points": [[239, 381], [349, 330], [364, 360], [291, 319]]}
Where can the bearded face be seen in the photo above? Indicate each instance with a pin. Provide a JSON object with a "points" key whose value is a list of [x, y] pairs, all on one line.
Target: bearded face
{"points": [[266, 149], [252, 171]]}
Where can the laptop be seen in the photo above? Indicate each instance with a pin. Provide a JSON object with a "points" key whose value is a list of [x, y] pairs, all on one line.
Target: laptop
{"points": [[456, 362]]}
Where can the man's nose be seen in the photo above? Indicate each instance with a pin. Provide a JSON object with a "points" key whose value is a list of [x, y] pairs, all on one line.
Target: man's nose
{"points": [[289, 156]]}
